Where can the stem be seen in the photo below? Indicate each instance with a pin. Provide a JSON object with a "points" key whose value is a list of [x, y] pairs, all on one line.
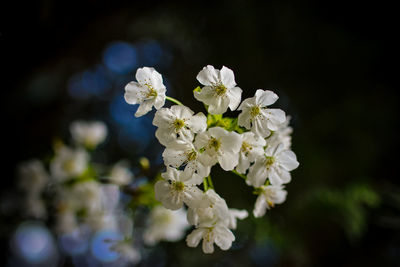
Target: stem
{"points": [[205, 184], [173, 100], [239, 174], [210, 183]]}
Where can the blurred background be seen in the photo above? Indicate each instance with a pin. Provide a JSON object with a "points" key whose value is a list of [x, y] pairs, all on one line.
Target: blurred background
{"points": [[332, 64]]}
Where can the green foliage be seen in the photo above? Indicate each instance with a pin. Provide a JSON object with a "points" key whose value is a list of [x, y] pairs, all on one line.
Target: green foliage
{"points": [[229, 124], [348, 207]]}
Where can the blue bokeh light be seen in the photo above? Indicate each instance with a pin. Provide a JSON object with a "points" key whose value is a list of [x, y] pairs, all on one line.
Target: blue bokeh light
{"points": [[77, 242], [135, 132], [95, 82], [120, 57], [33, 243], [150, 52], [100, 246]]}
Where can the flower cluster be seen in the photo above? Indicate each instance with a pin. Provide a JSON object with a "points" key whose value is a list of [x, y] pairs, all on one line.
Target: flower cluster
{"points": [[255, 145], [82, 196]]}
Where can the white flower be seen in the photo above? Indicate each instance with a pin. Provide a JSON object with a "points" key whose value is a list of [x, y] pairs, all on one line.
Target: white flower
{"points": [[68, 163], [282, 135], [220, 91], [66, 221], [120, 174], [183, 152], [85, 195], [235, 214], [148, 91], [257, 117], [274, 165], [215, 212], [219, 146], [126, 249], [32, 176], [165, 224], [252, 147], [178, 122], [178, 188], [269, 196], [34, 206], [220, 235], [89, 134]]}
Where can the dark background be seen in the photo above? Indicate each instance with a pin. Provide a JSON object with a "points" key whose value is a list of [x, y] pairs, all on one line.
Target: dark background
{"points": [[333, 64]]}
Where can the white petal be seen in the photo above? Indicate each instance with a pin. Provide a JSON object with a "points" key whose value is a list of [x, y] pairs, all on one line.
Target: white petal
{"points": [[160, 100], [163, 118], [275, 118], [144, 108], [260, 127], [244, 119], [143, 74], [197, 123], [288, 160], [208, 246], [194, 238], [134, 93], [235, 95], [218, 104], [243, 165], [227, 77], [228, 160], [173, 157], [181, 112], [194, 197], [257, 173], [260, 206], [265, 98], [165, 136], [208, 76], [224, 238]]}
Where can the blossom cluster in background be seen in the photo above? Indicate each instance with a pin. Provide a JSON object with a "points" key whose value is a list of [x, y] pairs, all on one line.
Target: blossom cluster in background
{"points": [[82, 200], [255, 146]]}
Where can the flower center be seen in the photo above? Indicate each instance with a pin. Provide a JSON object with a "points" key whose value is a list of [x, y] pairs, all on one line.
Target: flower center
{"points": [[220, 89], [152, 92], [214, 143], [246, 147], [192, 155], [69, 165], [178, 124], [255, 111], [269, 161], [178, 186]]}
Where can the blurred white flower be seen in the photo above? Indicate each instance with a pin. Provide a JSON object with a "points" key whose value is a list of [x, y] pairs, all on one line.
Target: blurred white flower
{"points": [[68, 163], [256, 116], [219, 146], [89, 134], [282, 135], [35, 207], [120, 174], [275, 165], [269, 196], [126, 249], [252, 147], [219, 234], [165, 225], [178, 188], [178, 122], [32, 177], [183, 152], [148, 91], [220, 90]]}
